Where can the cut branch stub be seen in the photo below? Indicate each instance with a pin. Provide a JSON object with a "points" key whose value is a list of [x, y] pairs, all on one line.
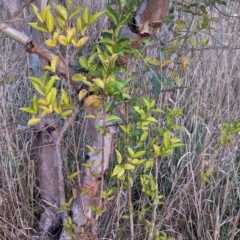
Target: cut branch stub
{"points": [[143, 24]]}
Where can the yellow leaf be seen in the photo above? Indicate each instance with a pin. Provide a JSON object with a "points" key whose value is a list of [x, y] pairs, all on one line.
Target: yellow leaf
{"points": [[82, 94], [92, 100], [82, 41], [54, 63], [185, 62], [33, 121], [71, 33], [50, 43]]}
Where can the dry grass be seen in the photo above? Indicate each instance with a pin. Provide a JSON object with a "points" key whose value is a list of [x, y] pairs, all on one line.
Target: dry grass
{"points": [[193, 210]]}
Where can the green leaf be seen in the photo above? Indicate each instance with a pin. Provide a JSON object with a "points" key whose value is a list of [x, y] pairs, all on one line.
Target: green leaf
{"points": [[117, 169], [37, 26], [122, 3], [73, 175], [117, 31], [66, 113], [122, 43], [80, 25], [86, 15], [62, 11], [151, 119], [138, 154], [54, 63], [175, 140], [28, 110], [148, 164], [50, 84], [143, 136], [111, 14], [127, 16], [75, 12], [37, 80], [63, 40], [49, 21], [64, 97], [38, 15], [99, 82], [61, 22], [33, 121], [50, 43], [81, 42], [78, 77], [119, 156], [68, 3], [204, 42], [95, 16], [82, 94], [129, 166], [110, 105], [43, 101], [192, 42], [157, 150], [44, 12], [113, 118], [175, 145], [51, 97], [131, 152], [38, 88], [71, 34], [10, 79], [130, 181], [83, 62], [152, 60], [34, 104]]}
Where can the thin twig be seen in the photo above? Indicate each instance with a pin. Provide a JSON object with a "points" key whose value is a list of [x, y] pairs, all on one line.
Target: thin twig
{"points": [[21, 8]]}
